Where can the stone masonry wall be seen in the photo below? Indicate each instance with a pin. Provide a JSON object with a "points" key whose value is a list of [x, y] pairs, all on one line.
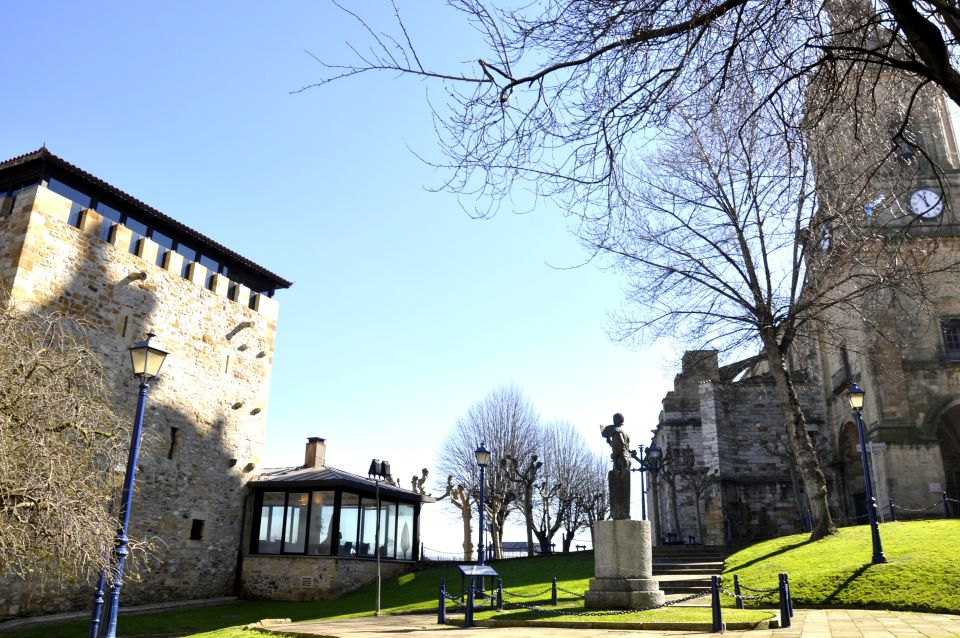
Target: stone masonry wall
{"points": [[205, 418], [311, 577]]}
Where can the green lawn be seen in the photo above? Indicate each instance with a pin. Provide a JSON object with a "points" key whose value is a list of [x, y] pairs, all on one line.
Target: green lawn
{"points": [[923, 574]]}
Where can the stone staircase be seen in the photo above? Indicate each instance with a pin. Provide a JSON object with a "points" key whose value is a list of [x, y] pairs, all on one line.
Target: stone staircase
{"points": [[686, 569]]}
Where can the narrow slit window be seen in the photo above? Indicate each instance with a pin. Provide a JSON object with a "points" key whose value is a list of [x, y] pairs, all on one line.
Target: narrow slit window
{"points": [[196, 530], [174, 442]]}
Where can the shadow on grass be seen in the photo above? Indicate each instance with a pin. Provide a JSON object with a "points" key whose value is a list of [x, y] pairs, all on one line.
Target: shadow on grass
{"points": [[758, 559], [831, 599]]}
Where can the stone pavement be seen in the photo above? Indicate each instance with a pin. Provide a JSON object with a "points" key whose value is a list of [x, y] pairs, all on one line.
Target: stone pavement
{"points": [[807, 623]]}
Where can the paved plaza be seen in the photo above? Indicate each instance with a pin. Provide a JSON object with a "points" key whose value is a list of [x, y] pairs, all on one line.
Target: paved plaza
{"points": [[807, 623]]}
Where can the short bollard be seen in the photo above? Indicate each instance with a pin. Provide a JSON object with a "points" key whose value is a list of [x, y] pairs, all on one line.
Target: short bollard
{"points": [[442, 604], [736, 590], [786, 581], [499, 594], [553, 593], [893, 512], [946, 506], [468, 612], [784, 609], [717, 624]]}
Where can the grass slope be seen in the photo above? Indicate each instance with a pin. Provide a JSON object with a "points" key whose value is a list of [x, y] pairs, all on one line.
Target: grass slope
{"points": [[922, 572]]}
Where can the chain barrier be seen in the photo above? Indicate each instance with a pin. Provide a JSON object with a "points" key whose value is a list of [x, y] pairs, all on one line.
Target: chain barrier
{"points": [[742, 597], [608, 612], [537, 595], [952, 500], [454, 599], [570, 593], [759, 591], [928, 507]]}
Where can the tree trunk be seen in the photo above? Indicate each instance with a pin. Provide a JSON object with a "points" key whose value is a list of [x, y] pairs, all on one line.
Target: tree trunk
{"points": [[805, 457], [528, 516], [467, 534]]}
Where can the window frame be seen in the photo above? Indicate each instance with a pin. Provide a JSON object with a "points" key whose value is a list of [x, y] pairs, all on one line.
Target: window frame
{"points": [[338, 492]]}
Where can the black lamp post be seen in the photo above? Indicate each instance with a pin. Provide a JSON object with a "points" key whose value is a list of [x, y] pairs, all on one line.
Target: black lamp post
{"points": [[379, 470], [483, 460], [146, 360], [645, 466], [856, 402], [653, 462]]}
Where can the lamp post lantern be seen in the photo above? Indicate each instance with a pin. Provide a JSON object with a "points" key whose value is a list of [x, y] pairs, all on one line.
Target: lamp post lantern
{"points": [[653, 462], [482, 455], [855, 397], [146, 360], [643, 489]]}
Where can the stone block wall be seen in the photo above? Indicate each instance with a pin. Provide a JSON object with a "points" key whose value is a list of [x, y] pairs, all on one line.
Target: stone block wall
{"points": [[311, 577], [206, 414]]}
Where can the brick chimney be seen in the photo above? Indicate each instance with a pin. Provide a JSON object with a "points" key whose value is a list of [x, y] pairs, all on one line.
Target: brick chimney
{"points": [[316, 456]]}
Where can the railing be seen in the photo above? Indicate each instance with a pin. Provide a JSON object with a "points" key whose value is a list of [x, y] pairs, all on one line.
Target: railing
{"points": [[496, 601]]}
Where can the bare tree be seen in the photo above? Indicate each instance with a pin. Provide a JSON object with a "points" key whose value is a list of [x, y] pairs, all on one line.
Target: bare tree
{"points": [[592, 498], [506, 422], [565, 464], [562, 92], [60, 444], [523, 474], [728, 239]]}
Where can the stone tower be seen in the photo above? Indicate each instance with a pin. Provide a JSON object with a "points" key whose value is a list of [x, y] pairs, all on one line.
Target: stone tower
{"points": [[69, 241]]}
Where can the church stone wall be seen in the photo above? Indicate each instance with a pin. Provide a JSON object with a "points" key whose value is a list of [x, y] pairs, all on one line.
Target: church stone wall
{"points": [[205, 418]]}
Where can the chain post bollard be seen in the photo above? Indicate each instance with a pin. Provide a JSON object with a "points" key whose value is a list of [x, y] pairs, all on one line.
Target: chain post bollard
{"points": [[893, 512], [736, 590], [717, 624], [786, 581], [499, 594], [553, 593], [468, 612], [784, 610], [946, 506], [442, 606]]}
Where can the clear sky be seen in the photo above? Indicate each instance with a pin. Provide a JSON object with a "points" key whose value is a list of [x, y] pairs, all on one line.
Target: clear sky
{"points": [[405, 311]]}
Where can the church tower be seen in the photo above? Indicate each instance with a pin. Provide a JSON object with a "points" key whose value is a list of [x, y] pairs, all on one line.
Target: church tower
{"points": [[887, 164]]}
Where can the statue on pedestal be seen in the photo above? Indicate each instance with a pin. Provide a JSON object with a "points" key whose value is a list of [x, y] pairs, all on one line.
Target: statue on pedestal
{"points": [[618, 478]]}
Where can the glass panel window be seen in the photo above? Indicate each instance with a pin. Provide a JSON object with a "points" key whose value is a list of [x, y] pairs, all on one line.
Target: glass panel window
{"points": [[80, 200], [189, 255], [951, 339], [111, 216], [165, 244], [388, 529], [406, 540], [271, 523], [295, 525], [349, 510], [321, 517], [368, 527], [139, 230]]}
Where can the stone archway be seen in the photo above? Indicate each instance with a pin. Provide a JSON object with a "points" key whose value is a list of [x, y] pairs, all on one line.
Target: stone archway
{"points": [[948, 436], [853, 495]]}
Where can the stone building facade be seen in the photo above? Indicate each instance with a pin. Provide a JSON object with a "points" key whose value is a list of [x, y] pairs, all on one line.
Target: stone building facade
{"points": [[902, 346], [71, 242]]}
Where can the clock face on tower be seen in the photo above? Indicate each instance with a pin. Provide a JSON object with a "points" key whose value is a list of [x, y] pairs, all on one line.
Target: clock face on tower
{"points": [[926, 203]]}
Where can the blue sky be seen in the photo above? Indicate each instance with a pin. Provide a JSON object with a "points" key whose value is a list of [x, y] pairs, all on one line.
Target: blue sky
{"points": [[405, 311]]}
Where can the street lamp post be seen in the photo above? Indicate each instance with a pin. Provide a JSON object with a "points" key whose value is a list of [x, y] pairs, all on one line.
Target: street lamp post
{"points": [[378, 470], [146, 360], [482, 455], [653, 462], [856, 402], [643, 488]]}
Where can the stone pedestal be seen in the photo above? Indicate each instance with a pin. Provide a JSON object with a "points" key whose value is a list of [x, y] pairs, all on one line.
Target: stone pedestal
{"points": [[623, 567]]}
